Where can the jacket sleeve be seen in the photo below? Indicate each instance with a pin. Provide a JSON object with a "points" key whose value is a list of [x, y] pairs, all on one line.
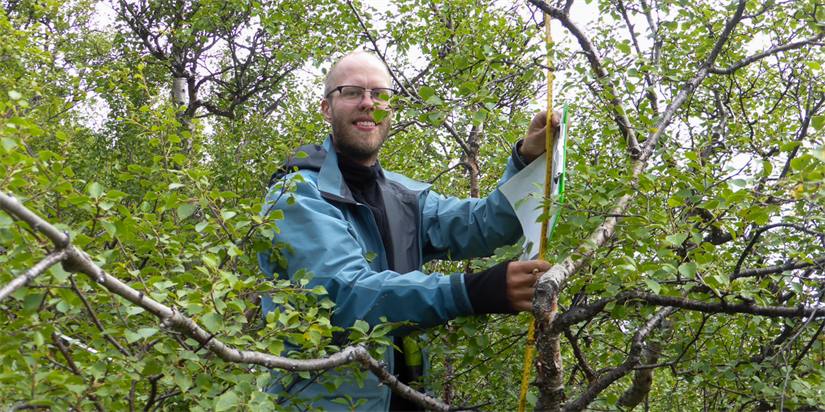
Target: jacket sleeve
{"points": [[470, 228], [327, 245]]}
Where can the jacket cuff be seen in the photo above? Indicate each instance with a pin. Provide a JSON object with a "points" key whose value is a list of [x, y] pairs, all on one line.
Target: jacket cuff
{"points": [[518, 161], [487, 290]]}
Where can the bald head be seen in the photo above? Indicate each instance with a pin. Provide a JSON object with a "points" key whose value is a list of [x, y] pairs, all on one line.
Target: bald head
{"points": [[355, 59]]}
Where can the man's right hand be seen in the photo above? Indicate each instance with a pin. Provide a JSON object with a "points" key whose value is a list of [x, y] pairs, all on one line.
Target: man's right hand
{"points": [[534, 142], [521, 282]]}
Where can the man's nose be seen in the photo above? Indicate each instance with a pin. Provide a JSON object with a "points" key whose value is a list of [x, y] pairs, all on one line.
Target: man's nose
{"points": [[367, 101]]}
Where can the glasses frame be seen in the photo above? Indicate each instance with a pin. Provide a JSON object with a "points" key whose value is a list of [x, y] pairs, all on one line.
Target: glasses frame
{"points": [[339, 89]]}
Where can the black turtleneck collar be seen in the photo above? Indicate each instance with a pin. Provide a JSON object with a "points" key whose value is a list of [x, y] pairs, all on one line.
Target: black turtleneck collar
{"points": [[363, 184], [356, 174]]}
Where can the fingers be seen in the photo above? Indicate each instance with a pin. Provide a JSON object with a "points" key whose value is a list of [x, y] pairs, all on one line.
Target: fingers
{"points": [[555, 119], [540, 119], [521, 282], [529, 266]]}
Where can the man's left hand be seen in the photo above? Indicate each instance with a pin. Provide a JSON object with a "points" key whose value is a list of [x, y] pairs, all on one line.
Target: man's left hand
{"points": [[534, 144], [521, 282]]}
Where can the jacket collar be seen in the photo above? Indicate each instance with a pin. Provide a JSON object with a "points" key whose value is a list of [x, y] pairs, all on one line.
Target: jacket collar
{"points": [[331, 183]]}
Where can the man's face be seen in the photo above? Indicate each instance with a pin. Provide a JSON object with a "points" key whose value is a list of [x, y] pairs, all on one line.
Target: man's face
{"points": [[354, 132]]}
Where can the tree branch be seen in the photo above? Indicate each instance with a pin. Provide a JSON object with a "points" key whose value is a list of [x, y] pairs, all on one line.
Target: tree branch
{"points": [[633, 358], [171, 318], [758, 56], [36, 270], [57, 343], [572, 317], [603, 77], [759, 232], [799, 264], [642, 378], [589, 373], [27, 406], [100, 327]]}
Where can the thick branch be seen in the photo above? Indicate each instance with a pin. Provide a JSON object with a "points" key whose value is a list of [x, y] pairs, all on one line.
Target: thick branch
{"points": [[642, 378], [633, 358], [79, 261], [27, 406], [584, 313], [799, 264]]}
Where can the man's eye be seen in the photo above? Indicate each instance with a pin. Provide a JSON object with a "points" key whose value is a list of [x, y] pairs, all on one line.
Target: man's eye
{"points": [[352, 93]]}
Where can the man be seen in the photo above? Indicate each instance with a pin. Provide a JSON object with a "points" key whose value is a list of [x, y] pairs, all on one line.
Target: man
{"points": [[348, 206]]}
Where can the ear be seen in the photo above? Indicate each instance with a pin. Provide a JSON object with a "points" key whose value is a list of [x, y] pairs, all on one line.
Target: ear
{"points": [[327, 110]]}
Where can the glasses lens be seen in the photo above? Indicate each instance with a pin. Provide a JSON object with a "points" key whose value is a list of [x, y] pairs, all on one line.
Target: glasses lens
{"points": [[381, 95], [352, 94]]}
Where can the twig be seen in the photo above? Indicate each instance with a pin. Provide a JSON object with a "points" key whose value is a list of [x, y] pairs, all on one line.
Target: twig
{"points": [[759, 232], [57, 343], [100, 327], [36, 270]]}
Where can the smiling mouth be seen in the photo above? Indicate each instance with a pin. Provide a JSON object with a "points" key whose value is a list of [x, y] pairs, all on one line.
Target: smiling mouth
{"points": [[364, 123]]}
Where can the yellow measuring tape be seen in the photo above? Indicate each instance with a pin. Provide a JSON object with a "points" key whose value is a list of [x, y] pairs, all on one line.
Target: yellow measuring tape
{"points": [[548, 177]]}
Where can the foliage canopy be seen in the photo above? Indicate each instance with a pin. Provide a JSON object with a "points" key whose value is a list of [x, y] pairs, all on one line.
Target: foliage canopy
{"points": [[688, 255]]}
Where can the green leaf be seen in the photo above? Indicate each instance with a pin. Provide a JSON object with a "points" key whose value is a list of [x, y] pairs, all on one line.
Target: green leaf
{"points": [[675, 201], [131, 337], [95, 190], [624, 47], [185, 210], [818, 152], [147, 332], [378, 115], [818, 121], [212, 321], [110, 227], [361, 326], [226, 401], [183, 379], [653, 285], [426, 92], [677, 239], [787, 147], [8, 144], [688, 270], [479, 117], [115, 194], [152, 367], [15, 95]]}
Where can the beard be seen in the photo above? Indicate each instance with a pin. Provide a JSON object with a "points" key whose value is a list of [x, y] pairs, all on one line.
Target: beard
{"points": [[355, 144]]}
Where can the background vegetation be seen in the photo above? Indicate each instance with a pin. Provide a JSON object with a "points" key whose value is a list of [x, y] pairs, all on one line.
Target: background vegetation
{"points": [[688, 258]]}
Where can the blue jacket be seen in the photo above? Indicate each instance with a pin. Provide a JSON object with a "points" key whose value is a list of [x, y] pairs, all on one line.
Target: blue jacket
{"points": [[330, 234]]}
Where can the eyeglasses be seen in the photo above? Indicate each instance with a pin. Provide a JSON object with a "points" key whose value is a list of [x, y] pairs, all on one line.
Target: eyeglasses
{"points": [[355, 94]]}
